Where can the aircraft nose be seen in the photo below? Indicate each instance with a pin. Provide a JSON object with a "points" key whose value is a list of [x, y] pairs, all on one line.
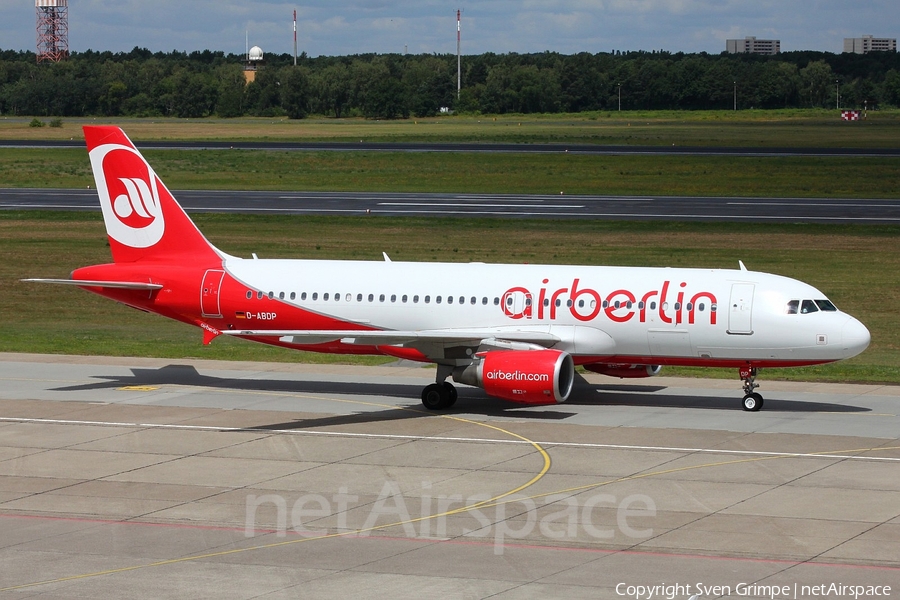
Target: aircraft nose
{"points": [[855, 336]]}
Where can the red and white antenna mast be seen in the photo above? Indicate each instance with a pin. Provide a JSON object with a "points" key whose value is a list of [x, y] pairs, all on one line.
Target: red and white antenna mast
{"points": [[52, 30], [458, 69], [295, 37]]}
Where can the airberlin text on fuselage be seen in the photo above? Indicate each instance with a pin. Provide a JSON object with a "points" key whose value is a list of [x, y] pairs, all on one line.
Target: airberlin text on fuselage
{"points": [[676, 305]]}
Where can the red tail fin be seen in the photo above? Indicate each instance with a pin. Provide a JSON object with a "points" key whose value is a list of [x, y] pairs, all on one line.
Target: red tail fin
{"points": [[143, 220]]}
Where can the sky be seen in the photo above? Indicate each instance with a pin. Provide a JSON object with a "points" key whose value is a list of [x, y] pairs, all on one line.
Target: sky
{"points": [[342, 27]]}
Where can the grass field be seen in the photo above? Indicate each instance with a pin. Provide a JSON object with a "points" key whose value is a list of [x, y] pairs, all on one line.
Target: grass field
{"points": [[744, 128], [478, 173], [855, 266]]}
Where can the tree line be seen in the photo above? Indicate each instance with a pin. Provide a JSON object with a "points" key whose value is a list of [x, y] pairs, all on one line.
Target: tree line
{"points": [[207, 83]]}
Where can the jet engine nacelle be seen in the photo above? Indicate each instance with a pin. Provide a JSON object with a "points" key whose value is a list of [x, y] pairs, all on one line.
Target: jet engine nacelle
{"points": [[525, 376], [624, 371]]}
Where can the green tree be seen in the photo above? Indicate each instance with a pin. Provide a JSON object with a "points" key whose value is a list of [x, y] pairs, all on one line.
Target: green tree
{"points": [[230, 99], [331, 89], [890, 88], [192, 97], [818, 81], [295, 92]]}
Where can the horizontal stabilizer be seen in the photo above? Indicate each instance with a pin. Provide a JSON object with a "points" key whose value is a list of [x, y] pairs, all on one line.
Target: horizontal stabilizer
{"points": [[124, 285]]}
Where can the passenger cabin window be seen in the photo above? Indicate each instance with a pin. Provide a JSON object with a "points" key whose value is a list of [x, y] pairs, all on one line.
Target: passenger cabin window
{"points": [[793, 307], [249, 294], [808, 306]]}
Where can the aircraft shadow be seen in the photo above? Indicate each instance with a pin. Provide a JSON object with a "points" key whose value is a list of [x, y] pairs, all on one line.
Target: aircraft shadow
{"points": [[605, 395], [470, 401]]}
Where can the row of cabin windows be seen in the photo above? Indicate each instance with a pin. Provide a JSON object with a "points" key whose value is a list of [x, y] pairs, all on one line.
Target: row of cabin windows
{"points": [[804, 307], [472, 300], [371, 298]]}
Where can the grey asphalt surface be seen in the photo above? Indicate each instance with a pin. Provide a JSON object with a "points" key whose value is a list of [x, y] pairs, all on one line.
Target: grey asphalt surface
{"points": [[125, 477], [562, 206], [363, 146]]}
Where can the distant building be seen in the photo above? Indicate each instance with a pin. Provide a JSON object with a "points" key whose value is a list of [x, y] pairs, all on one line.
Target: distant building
{"points": [[868, 43], [751, 45], [253, 63]]}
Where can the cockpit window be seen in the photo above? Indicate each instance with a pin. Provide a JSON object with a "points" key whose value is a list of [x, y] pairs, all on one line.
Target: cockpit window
{"points": [[826, 305], [808, 306], [793, 307]]}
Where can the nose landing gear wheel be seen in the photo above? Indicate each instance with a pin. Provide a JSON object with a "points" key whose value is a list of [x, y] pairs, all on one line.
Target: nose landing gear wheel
{"points": [[752, 402]]}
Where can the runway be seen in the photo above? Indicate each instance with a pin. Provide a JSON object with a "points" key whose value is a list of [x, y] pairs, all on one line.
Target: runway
{"points": [[469, 147], [147, 477], [667, 208]]}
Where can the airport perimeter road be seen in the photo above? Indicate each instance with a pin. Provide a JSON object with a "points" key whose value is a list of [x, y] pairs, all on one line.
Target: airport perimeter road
{"points": [[135, 478], [668, 208]]}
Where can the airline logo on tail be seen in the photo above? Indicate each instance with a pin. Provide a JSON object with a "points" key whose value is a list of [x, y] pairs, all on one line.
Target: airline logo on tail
{"points": [[129, 196]]}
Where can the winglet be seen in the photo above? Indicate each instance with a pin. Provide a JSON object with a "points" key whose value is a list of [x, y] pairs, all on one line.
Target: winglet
{"points": [[741, 263]]}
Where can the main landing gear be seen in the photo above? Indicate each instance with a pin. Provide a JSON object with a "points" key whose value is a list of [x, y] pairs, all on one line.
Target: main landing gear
{"points": [[438, 396], [441, 394], [752, 400]]}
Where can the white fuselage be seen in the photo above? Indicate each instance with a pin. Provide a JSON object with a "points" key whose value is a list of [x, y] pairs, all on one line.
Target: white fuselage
{"points": [[664, 315]]}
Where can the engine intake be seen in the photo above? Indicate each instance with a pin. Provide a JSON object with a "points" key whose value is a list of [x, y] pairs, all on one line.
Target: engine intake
{"points": [[524, 376]]}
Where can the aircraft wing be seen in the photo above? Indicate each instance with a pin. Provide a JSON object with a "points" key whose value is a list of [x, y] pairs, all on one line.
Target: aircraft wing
{"points": [[474, 337], [124, 285]]}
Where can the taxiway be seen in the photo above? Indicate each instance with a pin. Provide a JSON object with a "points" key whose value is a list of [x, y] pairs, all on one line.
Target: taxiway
{"points": [[145, 477]]}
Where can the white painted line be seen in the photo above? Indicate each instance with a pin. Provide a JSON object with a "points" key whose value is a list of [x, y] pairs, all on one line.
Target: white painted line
{"points": [[450, 439], [450, 204], [827, 204]]}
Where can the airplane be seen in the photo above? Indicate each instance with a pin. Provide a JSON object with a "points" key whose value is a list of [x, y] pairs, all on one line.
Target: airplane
{"points": [[515, 330]]}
